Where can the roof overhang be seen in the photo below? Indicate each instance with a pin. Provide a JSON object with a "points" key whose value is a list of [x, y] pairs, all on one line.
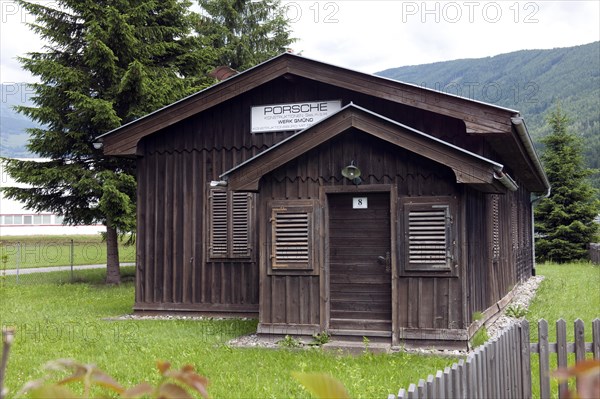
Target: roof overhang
{"points": [[479, 117], [501, 127], [468, 167]]}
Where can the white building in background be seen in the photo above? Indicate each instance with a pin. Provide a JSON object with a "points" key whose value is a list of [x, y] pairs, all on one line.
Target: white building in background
{"points": [[15, 220]]}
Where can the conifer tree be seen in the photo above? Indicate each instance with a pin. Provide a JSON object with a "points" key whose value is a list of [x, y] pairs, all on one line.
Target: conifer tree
{"points": [[106, 63], [565, 220], [244, 32]]}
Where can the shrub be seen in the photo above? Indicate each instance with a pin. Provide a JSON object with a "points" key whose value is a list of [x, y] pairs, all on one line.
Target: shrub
{"points": [[480, 337], [321, 338], [289, 342], [516, 311]]}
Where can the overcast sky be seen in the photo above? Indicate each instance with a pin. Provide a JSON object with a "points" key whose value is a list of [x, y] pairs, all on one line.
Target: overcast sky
{"points": [[370, 36]]}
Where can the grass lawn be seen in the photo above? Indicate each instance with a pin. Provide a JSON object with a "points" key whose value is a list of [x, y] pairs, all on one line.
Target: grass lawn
{"points": [[44, 251], [569, 291], [67, 321]]}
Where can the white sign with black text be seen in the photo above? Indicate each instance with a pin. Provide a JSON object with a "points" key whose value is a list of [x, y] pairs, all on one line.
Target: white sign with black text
{"points": [[293, 116], [360, 203]]}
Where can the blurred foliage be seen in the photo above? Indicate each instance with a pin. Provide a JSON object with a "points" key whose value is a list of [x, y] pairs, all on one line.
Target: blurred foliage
{"points": [[174, 384]]}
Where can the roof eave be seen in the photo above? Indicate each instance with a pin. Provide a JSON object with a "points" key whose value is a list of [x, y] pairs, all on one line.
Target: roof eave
{"points": [[246, 176], [519, 124]]}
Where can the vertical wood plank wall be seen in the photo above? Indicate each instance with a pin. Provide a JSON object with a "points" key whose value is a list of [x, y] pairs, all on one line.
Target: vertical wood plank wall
{"points": [[176, 165], [174, 169], [424, 302], [489, 281]]}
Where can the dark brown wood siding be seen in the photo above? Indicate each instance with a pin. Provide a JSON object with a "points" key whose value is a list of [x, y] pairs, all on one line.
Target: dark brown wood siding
{"points": [[504, 221], [176, 165], [173, 271], [424, 302]]}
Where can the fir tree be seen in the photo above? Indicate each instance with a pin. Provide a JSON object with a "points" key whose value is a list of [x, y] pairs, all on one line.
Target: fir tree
{"points": [[565, 220], [244, 32], [107, 62]]}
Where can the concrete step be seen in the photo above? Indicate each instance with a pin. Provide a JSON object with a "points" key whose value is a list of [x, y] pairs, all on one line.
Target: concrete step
{"points": [[357, 348]]}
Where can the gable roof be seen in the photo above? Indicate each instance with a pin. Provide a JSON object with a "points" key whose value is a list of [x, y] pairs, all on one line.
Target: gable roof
{"points": [[468, 167], [501, 127], [478, 116]]}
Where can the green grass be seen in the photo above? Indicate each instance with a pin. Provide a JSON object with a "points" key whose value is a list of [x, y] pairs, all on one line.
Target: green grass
{"points": [[570, 291], [56, 320], [480, 337], [48, 251], [68, 321]]}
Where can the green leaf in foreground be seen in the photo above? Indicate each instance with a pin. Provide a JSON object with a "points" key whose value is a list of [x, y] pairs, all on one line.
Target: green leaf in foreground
{"points": [[322, 385]]}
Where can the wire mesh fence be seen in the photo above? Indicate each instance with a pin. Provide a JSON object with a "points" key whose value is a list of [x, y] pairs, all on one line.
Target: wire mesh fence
{"points": [[56, 261]]}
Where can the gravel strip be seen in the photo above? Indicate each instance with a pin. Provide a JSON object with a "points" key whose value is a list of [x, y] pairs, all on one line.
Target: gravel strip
{"points": [[524, 294], [523, 297]]}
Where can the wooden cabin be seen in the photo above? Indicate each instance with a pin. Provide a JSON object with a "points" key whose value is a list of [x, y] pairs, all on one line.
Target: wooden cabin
{"points": [[319, 198]]}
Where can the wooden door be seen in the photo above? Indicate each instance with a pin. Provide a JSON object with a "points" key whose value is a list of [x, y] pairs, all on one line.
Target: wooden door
{"points": [[359, 262]]}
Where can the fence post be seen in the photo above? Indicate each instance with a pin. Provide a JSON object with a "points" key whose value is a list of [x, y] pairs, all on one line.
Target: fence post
{"points": [[462, 371], [481, 375], [515, 365], [544, 358], [596, 338], [429, 392], [525, 359], [71, 255], [412, 391], [439, 385], [18, 259], [421, 389], [561, 354], [7, 340], [579, 334]]}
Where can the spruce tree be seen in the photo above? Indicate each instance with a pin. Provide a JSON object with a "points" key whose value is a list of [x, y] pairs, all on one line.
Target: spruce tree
{"points": [[565, 220], [106, 63], [244, 32]]}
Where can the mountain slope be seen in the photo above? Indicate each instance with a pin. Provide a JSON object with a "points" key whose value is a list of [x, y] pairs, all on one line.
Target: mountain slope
{"points": [[530, 81], [13, 134]]}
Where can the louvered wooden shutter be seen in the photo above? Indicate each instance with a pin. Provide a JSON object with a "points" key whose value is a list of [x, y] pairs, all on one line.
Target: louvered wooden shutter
{"points": [[218, 224], [241, 225], [495, 227], [291, 235], [230, 224], [427, 237], [514, 220]]}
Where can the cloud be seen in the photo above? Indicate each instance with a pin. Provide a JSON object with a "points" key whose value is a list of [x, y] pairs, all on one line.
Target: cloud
{"points": [[370, 36]]}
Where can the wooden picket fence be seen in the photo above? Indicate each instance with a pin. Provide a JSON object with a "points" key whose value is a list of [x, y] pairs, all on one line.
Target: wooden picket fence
{"points": [[502, 367], [562, 348]]}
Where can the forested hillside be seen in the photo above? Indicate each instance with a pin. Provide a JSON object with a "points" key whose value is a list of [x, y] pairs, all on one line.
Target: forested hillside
{"points": [[530, 81]]}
